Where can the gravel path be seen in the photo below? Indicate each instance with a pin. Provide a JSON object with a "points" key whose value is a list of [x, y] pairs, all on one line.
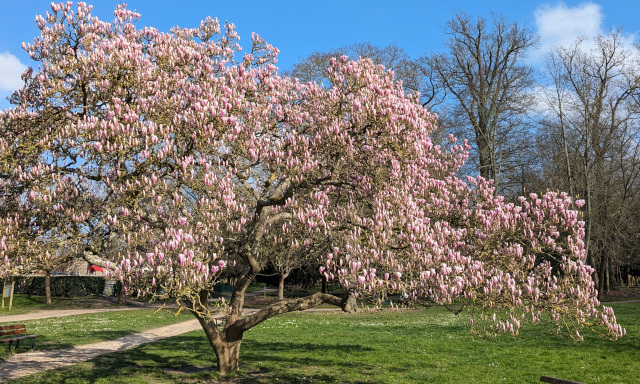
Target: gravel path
{"points": [[28, 363], [43, 314]]}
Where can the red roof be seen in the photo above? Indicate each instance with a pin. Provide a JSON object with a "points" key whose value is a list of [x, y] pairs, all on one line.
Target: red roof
{"points": [[95, 268]]}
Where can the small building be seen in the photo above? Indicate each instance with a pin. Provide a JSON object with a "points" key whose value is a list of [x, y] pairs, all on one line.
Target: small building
{"points": [[95, 270]]}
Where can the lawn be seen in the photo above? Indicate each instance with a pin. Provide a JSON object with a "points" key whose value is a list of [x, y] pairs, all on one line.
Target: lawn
{"points": [[68, 331], [425, 346], [29, 303]]}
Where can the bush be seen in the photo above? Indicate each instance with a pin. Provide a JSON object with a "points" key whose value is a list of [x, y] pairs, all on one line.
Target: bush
{"points": [[63, 286]]}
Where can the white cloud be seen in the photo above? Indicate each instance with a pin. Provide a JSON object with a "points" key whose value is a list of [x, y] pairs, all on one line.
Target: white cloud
{"points": [[10, 72], [560, 25]]}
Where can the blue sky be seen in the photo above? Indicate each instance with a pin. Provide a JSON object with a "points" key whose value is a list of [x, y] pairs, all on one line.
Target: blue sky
{"points": [[300, 27]]}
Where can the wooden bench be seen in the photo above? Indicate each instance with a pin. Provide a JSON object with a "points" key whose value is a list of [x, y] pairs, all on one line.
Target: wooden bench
{"points": [[220, 321], [17, 333], [554, 380]]}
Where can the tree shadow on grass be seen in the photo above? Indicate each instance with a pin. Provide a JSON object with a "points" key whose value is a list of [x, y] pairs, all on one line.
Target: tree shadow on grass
{"points": [[45, 343], [307, 362], [29, 300], [164, 361], [191, 359], [301, 353]]}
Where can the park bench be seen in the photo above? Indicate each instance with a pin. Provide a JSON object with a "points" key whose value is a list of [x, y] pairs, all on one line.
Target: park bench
{"points": [[553, 380], [220, 321], [17, 333]]}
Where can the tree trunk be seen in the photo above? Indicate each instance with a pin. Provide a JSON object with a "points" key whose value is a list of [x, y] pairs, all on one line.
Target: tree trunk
{"points": [[607, 286], [566, 151], [602, 272], [596, 278], [227, 354], [484, 154], [283, 276], [47, 287], [122, 296], [600, 283], [226, 343]]}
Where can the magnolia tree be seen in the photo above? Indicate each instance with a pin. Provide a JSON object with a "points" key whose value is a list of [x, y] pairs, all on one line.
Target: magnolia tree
{"points": [[175, 158], [29, 230]]}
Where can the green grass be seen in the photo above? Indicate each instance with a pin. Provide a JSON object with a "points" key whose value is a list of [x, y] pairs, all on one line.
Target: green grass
{"points": [[431, 346], [28, 303], [68, 331], [255, 287]]}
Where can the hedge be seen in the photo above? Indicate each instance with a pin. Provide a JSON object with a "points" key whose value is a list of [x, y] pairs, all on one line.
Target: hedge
{"points": [[63, 286]]}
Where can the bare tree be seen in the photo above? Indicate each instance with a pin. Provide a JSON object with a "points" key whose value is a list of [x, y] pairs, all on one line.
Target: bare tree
{"points": [[486, 89], [595, 126], [314, 67]]}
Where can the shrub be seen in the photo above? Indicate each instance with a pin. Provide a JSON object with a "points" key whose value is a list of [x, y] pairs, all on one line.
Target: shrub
{"points": [[63, 286]]}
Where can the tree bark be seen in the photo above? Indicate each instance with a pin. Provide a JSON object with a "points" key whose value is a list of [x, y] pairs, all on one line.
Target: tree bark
{"points": [[566, 149], [603, 272], [283, 276], [347, 303], [122, 296], [226, 343], [227, 354], [484, 152], [607, 285], [47, 287]]}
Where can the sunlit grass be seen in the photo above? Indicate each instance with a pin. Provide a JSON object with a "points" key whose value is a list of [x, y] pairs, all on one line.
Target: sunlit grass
{"points": [[29, 303], [431, 346], [68, 331]]}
